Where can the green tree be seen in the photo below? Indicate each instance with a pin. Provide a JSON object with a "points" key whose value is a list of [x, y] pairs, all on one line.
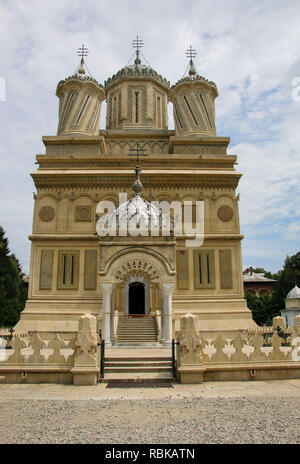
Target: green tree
{"points": [[292, 262], [288, 277], [261, 307], [12, 289]]}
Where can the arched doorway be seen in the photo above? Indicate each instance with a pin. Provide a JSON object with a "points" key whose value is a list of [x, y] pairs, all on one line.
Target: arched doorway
{"points": [[136, 298]]}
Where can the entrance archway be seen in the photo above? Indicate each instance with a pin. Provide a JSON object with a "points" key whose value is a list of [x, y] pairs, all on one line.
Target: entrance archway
{"points": [[136, 297]]}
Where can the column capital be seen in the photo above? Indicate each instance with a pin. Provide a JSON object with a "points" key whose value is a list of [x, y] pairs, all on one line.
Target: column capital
{"points": [[167, 289], [106, 288]]}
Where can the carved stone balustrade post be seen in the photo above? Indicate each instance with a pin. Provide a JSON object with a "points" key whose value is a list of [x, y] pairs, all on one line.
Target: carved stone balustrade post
{"points": [[86, 369], [189, 362]]}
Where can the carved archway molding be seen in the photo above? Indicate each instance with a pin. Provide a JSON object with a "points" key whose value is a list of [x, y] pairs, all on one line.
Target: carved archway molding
{"points": [[142, 259], [137, 268], [137, 265]]}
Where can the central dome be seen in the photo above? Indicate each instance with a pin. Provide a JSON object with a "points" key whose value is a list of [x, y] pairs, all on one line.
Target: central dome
{"points": [[134, 215], [137, 98], [134, 72]]}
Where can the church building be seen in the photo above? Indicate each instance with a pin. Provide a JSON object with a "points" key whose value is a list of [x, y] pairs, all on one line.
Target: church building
{"points": [[137, 282]]}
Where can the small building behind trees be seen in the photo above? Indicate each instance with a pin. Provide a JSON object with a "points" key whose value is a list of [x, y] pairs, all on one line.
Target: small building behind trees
{"points": [[256, 283]]}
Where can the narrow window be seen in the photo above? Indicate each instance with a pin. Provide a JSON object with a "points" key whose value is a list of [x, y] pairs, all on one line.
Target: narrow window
{"points": [[83, 108], [208, 271], [200, 270], [159, 112], [204, 269], [115, 112], [136, 107], [68, 270], [72, 269], [205, 109], [188, 105], [64, 269], [177, 115]]}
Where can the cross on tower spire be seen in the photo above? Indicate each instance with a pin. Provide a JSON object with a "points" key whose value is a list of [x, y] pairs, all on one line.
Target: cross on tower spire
{"points": [[82, 51], [138, 151], [191, 53], [137, 43]]}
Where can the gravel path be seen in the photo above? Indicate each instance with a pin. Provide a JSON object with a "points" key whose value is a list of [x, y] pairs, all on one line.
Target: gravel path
{"points": [[167, 420]]}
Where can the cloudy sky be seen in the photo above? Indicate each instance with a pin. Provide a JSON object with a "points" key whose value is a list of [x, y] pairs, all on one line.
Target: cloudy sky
{"points": [[250, 49]]}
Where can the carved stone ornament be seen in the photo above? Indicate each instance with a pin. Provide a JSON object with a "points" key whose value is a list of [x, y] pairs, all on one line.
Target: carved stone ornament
{"points": [[47, 213], [83, 213], [225, 213]]}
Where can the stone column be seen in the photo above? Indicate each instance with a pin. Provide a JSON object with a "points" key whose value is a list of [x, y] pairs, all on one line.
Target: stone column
{"points": [[106, 312], [166, 326]]}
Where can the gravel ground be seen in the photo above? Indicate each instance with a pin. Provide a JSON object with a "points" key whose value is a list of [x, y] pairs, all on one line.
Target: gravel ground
{"points": [[167, 420]]}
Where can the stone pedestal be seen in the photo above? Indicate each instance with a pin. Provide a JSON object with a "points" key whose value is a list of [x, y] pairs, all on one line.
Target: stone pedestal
{"points": [[86, 369], [189, 361]]}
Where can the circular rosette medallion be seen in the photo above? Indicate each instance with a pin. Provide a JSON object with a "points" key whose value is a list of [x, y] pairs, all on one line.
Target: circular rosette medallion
{"points": [[47, 213], [83, 213], [225, 213]]}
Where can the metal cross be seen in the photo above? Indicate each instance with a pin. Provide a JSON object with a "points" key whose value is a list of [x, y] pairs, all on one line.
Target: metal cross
{"points": [[137, 43], [191, 53], [138, 152], [82, 51]]}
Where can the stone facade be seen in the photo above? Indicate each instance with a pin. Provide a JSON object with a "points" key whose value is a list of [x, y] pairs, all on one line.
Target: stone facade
{"points": [[73, 270]]}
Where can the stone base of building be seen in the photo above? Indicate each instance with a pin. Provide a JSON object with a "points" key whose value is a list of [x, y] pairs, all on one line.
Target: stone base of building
{"points": [[213, 316], [85, 376], [190, 374]]}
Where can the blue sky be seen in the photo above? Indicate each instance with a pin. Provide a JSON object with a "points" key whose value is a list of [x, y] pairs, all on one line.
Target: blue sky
{"points": [[250, 49]]}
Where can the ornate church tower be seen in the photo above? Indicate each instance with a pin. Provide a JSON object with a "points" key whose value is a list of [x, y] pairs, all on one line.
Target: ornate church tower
{"points": [[193, 103], [137, 97], [80, 97]]}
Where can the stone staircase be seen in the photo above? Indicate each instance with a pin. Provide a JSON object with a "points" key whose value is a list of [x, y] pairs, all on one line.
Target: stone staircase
{"points": [[150, 369], [136, 330]]}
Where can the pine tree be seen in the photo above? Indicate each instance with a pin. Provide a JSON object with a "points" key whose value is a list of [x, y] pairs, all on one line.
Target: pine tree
{"points": [[12, 291]]}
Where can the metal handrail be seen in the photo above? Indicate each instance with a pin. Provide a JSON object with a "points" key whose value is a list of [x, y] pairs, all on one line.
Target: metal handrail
{"points": [[174, 343], [102, 360]]}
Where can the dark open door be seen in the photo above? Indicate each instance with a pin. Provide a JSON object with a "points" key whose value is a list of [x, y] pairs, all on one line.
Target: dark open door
{"points": [[136, 298]]}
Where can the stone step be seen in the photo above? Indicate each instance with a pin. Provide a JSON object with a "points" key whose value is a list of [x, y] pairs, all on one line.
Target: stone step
{"points": [[142, 326], [136, 337], [140, 358], [138, 325], [142, 331], [149, 377], [138, 364], [137, 369]]}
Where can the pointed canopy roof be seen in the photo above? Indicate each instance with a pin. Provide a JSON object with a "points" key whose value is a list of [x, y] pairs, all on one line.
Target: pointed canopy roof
{"points": [[137, 71], [81, 74], [294, 293], [136, 212]]}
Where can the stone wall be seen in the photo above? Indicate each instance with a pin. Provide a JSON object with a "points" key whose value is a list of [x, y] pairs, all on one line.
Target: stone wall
{"points": [[53, 357], [262, 354]]}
